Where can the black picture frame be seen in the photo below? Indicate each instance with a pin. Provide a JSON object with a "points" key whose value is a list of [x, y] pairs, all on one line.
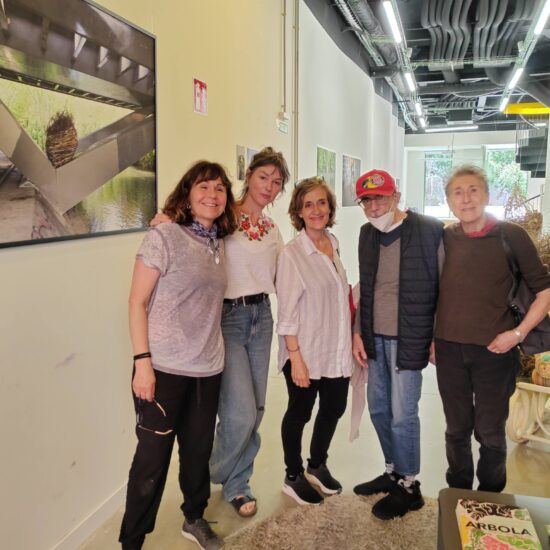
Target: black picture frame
{"points": [[78, 129]]}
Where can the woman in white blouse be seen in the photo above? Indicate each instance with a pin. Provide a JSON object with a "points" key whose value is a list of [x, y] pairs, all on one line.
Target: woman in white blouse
{"points": [[247, 326], [314, 328]]}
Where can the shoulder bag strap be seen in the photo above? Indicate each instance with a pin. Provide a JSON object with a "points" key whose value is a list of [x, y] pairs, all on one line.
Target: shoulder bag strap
{"points": [[512, 264]]}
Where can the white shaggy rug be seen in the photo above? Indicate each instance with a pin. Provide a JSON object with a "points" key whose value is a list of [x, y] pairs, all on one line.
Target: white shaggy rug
{"points": [[341, 523]]}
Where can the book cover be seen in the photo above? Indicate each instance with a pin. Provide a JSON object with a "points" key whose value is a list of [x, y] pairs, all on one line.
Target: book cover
{"points": [[490, 526]]}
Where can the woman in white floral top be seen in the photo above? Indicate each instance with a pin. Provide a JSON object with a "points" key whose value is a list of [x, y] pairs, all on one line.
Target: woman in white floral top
{"points": [[247, 326]]}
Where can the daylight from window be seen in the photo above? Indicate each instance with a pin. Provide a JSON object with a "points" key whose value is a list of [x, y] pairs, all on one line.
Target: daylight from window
{"points": [[504, 174]]}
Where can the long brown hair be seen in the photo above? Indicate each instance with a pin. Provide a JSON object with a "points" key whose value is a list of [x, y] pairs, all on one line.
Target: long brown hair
{"points": [[177, 205], [267, 156]]}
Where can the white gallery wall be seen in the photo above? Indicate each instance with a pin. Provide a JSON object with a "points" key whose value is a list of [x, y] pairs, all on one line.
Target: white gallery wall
{"points": [[66, 412], [339, 110]]}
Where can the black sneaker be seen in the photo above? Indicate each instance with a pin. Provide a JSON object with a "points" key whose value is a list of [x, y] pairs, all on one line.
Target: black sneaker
{"points": [[199, 531], [380, 484], [400, 501], [322, 478], [301, 491]]}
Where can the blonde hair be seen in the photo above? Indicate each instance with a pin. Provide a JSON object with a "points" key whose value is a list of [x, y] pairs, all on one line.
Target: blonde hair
{"points": [[467, 170]]}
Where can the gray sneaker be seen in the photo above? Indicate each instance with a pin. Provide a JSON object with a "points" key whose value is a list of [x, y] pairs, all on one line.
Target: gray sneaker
{"points": [[323, 479], [301, 491], [199, 531]]}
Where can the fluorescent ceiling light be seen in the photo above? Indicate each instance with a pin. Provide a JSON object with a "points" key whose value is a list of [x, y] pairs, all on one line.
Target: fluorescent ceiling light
{"points": [[542, 18], [452, 129], [503, 103], [540, 124], [410, 81], [422, 122], [388, 6], [418, 108], [515, 78]]}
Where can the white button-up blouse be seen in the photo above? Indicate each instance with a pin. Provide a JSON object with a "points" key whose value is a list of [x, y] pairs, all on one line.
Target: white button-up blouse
{"points": [[313, 304]]}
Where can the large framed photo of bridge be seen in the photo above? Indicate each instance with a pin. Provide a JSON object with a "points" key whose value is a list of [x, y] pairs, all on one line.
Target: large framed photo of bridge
{"points": [[77, 122]]}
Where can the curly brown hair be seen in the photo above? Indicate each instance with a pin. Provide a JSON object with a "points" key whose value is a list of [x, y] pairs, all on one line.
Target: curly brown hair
{"points": [[267, 156], [301, 189], [177, 205]]}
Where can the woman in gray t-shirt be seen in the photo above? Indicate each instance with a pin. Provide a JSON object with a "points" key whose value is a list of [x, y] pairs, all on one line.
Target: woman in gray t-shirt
{"points": [[175, 306]]}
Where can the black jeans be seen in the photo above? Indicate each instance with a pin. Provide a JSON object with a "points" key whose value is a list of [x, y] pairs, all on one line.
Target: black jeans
{"points": [[475, 386], [333, 394], [190, 405]]}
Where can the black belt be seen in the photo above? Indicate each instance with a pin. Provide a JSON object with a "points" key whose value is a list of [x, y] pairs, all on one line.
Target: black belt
{"points": [[246, 300]]}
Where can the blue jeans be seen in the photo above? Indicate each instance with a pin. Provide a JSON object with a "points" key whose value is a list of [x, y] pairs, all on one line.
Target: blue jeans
{"points": [[247, 332], [392, 397]]}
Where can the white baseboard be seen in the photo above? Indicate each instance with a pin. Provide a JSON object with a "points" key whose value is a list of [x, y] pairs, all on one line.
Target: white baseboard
{"points": [[91, 523]]}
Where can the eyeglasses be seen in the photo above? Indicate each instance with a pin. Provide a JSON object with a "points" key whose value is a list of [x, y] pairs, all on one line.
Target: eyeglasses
{"points": [[369, 200], [139, 418]]}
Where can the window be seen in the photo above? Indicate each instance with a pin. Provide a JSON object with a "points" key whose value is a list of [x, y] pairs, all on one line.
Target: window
{"points": [[504, 174], [437, 166]]}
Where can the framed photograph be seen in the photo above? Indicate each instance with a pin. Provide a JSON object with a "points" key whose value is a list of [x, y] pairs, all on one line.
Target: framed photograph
{"points": [[241, 162], [77, 122], [326, 166], [351, 170]]}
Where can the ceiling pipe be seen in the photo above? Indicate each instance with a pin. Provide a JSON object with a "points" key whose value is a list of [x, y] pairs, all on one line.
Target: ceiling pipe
{"points": [[482, 15], [484, 35], [477, 88], [448, 33], [388, 55], [365, 16], [466, 28], [493, 33]]}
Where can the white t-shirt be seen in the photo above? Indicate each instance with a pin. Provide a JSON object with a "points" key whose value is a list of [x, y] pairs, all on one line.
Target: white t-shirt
{"points": [[251, 260], [313, 305]]}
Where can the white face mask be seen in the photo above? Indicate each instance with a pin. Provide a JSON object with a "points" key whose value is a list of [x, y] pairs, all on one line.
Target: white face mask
{"points": [[384, 222]]}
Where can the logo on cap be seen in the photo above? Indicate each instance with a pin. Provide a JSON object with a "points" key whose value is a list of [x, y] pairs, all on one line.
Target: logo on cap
{"points": [[374, 181]]}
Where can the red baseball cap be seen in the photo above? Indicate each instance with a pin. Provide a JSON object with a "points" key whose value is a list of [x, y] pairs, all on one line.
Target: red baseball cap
{"points": [[375, 182]]}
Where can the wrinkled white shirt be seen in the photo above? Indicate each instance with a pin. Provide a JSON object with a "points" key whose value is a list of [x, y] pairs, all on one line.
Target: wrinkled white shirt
{"points": [[313, 304]]}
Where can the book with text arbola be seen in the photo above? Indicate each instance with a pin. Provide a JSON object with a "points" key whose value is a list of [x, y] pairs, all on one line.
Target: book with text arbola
{"points": [[490, 526]]}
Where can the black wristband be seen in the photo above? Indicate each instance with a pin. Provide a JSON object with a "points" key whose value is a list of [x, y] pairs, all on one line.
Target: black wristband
{"points": [[142, 355]]}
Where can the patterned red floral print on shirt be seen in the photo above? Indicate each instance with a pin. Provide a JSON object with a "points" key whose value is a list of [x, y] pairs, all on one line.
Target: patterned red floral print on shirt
{"points": [[255, 232]]}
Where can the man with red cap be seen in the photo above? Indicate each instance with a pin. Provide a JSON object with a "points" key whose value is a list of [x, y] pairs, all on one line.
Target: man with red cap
{"points": [[399, 257]]}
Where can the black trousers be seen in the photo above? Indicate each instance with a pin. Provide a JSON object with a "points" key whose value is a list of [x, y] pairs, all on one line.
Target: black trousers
{"points": [[333, 394], [475, 386], [190, 405]]}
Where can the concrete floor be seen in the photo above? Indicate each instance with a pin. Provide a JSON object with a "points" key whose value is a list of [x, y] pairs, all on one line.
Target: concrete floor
{"points": [[351, 463]]}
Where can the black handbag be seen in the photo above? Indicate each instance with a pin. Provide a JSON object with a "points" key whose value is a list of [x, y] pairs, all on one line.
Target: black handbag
{"points": [[520, 299]]}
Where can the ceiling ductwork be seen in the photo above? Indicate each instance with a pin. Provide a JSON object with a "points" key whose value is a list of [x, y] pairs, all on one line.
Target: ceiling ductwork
{"points": [[489, 52]]}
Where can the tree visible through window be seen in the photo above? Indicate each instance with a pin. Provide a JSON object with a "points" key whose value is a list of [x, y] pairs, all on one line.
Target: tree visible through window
{"points": [[437, 166], [504, 173]]}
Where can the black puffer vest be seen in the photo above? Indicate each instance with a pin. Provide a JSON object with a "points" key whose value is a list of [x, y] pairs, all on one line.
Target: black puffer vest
{"points": [[418, 287]]}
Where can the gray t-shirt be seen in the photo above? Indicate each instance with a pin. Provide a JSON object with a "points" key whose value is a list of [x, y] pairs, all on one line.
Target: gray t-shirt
{"points": [[184, 313]]}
